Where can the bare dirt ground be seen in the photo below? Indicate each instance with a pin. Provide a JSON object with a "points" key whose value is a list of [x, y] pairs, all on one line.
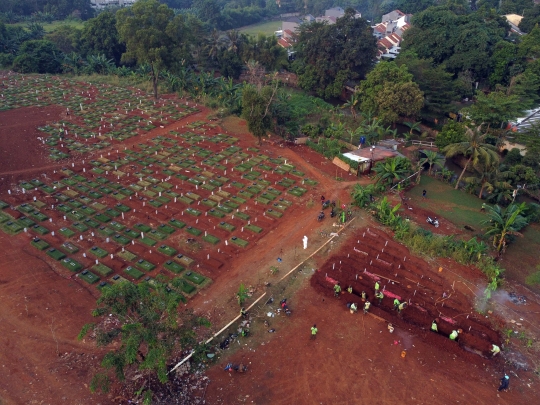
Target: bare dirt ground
{"points": [[353, 360]]}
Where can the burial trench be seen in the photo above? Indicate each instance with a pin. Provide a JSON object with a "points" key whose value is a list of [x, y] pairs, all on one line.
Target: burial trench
{"points": [[371, 255]]}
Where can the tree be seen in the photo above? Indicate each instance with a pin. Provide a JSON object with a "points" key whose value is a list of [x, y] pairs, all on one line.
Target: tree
{"points": [[148, 332], [529, 46], [531, 18], [474, 147], [434, 82], [505, 63], [333, 54], [495, 108], [503, 223], [37, 56], [362, 195], [452, 132], [392, 170], [460, 42], [431, 158], [152, 35], [100, 36], [413, 126], [66, 38], [389, 93], [256, 109], [490, 178], [352, 104]]}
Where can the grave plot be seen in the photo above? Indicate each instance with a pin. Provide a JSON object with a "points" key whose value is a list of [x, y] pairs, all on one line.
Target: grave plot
{"points": [[96, 116], [372, 256], [174, 205]]}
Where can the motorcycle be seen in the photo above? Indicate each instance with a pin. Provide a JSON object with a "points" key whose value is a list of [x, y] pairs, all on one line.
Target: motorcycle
{"points": [[434, 221], [320, 217], [325, 204], [239, 368], [333, 213], [285, 307]]}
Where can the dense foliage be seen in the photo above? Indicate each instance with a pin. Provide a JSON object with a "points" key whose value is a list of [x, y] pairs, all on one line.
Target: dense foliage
{"points": [[331, 55]]}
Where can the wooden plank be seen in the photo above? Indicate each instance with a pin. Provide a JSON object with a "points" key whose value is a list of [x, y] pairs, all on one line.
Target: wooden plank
{"points": [[341, 164]]}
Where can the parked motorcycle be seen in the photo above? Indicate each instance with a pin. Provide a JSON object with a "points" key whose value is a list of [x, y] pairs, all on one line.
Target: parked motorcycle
{"points": [[320, 217], [434, 221], [325, 204]]}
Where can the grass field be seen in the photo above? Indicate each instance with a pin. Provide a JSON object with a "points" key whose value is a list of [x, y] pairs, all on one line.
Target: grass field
{"points": [[521, 257], [266, 28], [454, 205], [49, 27]]}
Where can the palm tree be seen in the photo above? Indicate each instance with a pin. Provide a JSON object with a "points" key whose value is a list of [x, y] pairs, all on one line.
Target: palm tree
{"points": [[234, 39], [478, 151], [214, 44], [432, 158], [490, 179], [413, 126], [503, 223], [352, 104], [392, 170]]}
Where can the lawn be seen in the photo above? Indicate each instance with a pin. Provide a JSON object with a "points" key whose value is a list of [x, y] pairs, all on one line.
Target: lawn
{"points": [[456, 206], [266, 28]]}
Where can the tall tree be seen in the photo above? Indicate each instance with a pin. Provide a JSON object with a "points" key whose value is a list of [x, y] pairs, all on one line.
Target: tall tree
{"points": [[334, 54], [495, 108], [257, 108], [148, 332], [389, 93], [152, 35], [503, 223], [475, 148], [100, 36]]}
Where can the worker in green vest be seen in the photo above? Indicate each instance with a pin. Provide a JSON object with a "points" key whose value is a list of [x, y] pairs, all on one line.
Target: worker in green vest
{"points": [[495, 349], [379, 295], [377, 286], [349, 289], [454, 335], [314, 331], [353, 308], [434, 326], [363, 295], [366, 307], [396, 303], [337, 290]]}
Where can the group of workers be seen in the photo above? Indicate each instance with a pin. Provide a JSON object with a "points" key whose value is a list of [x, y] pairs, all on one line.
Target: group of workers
{"points": [[455, 334], [398, 306], [379, 295]]}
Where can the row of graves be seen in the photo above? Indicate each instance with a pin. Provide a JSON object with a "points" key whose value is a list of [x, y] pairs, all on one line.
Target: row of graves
{"points": [[173, 210], [95, 116]]}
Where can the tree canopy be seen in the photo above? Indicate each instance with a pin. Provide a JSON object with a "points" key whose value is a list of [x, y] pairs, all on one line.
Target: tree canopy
{"points": [[152, 35], [333, 54], [389, 92]]}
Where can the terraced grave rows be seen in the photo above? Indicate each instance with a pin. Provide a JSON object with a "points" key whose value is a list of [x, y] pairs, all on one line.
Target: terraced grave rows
{"points": [[138, 214]]}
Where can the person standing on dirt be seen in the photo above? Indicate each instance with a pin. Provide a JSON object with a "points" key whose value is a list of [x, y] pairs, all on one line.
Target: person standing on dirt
{"points": [[434, 327], [353, 307], [377, 287], [454, 335], [396, 304], [401, 307], [379, 295], [364, 296], [314, 331], [349, 289], [366, 307], [337, 290], [505, 382], [495, 350], [424, 192], [243, 313]]}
